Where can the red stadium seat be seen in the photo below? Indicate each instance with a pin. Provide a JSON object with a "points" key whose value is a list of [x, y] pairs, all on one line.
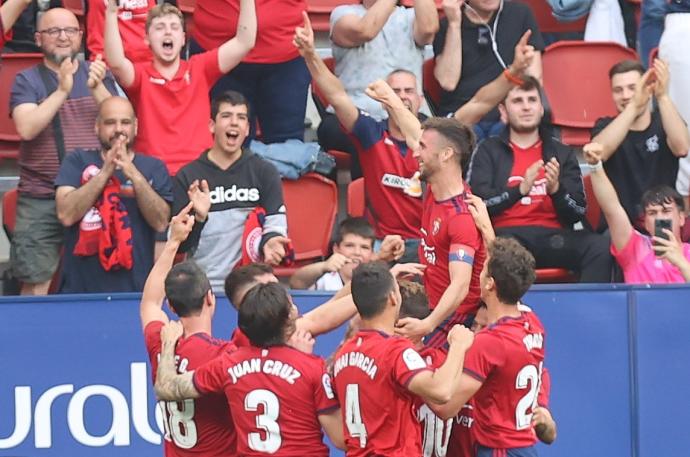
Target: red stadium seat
{"points": [[312, 205], [554, 275], [577, 85], [10, 65], [320, 13], [9, 212], [432, 90], [548, 23], [355, 198]]}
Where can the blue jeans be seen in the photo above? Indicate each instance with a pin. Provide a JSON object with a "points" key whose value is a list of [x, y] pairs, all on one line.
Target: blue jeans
{"points": [[277, 95], [651, 28]]}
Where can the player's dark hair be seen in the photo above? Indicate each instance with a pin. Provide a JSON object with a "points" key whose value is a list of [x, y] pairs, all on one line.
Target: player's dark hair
{"points": [[355, 226], [457, 135], [230, 97], [186, 286], [265, 315], [371, 284], [414, 300], [242, 277], [512, 268], [660, 195], [624, 66]]}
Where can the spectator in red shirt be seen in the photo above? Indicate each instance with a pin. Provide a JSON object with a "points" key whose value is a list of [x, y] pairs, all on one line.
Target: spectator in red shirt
{"points": [[131, 20], [532, 187], [168, 93], [272, 76]]}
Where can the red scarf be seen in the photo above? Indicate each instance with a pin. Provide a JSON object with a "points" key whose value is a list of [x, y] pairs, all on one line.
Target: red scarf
{"points": [[251, 240], [105, 229]]}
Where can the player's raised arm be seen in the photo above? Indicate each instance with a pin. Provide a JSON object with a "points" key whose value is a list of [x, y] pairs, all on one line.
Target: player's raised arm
{"points": [[437, 388], [153, 296], [332, 424], [170, 385]]}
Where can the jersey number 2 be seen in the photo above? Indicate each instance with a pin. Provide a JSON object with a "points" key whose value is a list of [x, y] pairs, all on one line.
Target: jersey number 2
{"points": [[266, 421], [528, 376]]}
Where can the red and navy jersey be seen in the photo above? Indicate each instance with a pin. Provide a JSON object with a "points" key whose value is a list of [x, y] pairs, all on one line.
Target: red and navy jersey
{"points": [[394, 198], [275, 395], [435, 431], [507, 357], [200, 427], [371, 373], [449, 235]]}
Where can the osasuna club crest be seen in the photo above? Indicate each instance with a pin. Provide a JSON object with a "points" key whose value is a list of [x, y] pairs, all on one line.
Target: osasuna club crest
{"points": [[437, 226]]}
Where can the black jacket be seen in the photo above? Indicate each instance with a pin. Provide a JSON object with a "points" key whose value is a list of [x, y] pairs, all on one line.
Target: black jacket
{"points": [[492, 163]]}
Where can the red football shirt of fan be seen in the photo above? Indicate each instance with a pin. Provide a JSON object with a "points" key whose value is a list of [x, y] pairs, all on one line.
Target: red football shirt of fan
{"points": [[275, 395], [199, 427], [371, 373], [448, 235], [173, 114], [131, 21], [507, 357], [215, 22], [535, 208]]}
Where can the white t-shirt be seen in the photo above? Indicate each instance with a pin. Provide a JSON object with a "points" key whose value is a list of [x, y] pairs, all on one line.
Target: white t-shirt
{"points": [[330, 281]]}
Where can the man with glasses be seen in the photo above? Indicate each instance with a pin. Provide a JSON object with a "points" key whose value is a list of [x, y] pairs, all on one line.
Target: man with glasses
{"points": [[54, 106]]}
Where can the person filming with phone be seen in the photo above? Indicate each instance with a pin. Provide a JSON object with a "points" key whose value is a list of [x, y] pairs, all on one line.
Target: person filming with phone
{"points": [[659, 259]]}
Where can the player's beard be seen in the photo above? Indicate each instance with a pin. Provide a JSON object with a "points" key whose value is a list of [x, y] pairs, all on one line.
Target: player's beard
{"points": [[108, 143]]}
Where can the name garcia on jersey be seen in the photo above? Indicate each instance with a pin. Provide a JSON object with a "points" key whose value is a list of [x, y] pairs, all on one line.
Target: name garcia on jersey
{"points": [[271, 367], [358, 360]]}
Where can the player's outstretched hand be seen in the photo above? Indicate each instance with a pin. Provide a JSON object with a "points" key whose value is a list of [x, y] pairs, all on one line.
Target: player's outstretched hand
{"points": [[392, 248], [304, 37], [302, 341], [544, 425], [461, 336], [407, 269], [171, 332], [412, 328]]}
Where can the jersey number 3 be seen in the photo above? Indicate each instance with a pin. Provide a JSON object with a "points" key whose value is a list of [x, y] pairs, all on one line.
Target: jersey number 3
{"points": [[267, 421]]}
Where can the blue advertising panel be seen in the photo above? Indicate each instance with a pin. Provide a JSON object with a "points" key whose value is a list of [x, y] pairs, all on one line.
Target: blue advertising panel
{"points": [[663, 372], [75, 379]]}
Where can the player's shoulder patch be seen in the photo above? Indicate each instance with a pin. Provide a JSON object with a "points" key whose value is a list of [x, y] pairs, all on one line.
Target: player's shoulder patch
{"points": [[327, 386], [413, 360]]}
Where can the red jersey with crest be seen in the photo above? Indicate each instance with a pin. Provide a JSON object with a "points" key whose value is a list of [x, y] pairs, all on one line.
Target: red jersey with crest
{"points": [[201, 427], [507, 357], [371, 373], [449, 235], [275, 395]]}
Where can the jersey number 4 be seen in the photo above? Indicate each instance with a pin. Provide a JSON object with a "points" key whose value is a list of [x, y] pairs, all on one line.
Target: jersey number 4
{"points": [[353, 415], [271, 440], [529, 377]]}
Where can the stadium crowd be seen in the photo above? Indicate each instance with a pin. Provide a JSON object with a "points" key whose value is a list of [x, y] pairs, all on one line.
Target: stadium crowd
{"points": [[137, 174]]}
